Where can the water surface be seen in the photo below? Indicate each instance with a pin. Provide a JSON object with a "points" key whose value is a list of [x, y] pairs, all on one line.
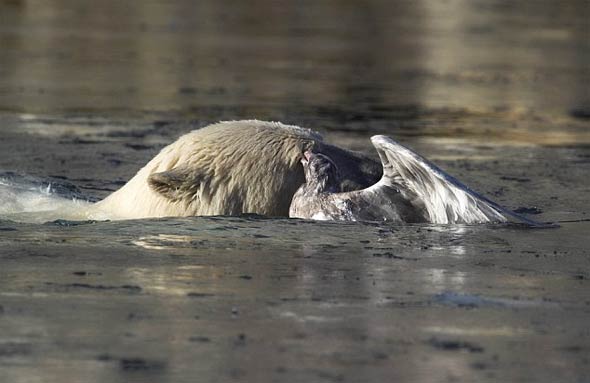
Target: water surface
{"points": [[496, 93]]}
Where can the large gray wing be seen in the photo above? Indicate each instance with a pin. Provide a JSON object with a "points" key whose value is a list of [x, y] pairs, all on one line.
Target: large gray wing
{"points": [[446, 199]]}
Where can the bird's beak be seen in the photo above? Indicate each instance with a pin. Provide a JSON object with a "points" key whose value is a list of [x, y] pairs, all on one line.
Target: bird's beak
{"points": [[307, 155]]}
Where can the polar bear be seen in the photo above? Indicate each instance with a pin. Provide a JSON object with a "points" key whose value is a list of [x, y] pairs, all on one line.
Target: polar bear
{"points": [[230, 168]]}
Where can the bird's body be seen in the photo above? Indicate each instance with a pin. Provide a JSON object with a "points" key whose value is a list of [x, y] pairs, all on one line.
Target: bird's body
{"points": [[320, 199], [411, 190]]}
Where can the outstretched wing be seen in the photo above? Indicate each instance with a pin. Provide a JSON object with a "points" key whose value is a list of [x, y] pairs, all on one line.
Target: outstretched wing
{"points": [[446, 199]]}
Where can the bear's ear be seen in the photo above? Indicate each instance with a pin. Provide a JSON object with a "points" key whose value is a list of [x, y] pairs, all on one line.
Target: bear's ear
{"points": [[173, 183]]}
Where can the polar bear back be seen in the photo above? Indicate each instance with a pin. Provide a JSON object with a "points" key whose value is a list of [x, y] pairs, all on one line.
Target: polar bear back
{"points": [[228, 168]]}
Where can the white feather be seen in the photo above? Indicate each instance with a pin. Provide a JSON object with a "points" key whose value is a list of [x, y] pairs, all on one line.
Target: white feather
{"points": [[445, 199]]}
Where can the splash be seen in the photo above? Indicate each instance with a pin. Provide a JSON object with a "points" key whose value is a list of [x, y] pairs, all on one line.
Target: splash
{"points": [[24, 198]]}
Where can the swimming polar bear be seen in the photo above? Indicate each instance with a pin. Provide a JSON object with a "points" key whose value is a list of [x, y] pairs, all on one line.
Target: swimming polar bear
{"points": [[237, 167], [230, 168]]}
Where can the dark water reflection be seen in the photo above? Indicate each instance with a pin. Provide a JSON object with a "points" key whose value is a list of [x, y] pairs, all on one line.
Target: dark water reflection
{"points": [[368, 60]]}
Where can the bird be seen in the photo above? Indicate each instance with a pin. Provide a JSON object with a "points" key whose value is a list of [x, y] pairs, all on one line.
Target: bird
{"points": [[411, 190]]}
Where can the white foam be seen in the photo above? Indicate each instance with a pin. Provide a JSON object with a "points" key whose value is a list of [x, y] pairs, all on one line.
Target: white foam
{"points": [[35, 204]]}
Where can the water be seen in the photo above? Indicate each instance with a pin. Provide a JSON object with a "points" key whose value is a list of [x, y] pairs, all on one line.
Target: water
{"points": [[262, 299], [495, 93]]}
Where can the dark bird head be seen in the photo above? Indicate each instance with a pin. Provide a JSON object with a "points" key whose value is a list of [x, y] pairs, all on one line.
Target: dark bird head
{"points": [[321, 173]]}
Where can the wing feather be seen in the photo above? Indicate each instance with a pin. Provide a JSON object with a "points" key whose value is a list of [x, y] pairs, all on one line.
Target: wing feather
{"points": [[445, 198]]}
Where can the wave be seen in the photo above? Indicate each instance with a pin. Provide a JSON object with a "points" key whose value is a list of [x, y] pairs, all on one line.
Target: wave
{"points": [[24, 198]]}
